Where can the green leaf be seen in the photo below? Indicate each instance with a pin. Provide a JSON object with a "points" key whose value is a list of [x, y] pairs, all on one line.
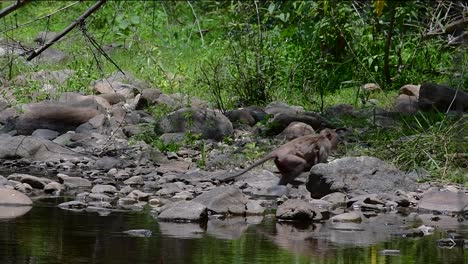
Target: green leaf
{"points": [[271, 8]]}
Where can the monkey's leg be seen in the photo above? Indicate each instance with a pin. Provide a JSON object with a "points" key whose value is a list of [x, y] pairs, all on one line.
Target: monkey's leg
{"points": [[290, 167]]}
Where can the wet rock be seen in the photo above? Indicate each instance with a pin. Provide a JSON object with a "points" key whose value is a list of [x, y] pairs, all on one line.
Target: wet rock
{"points": [[295, 209], [104, 188], [13, 198], [72, 205], [347, 217], [185, 211], [126, 201], [224, 200], [444, 201], [73, 182], [336, 198], [33, 181], [356, 176], [24, 188], [53, 188], [210, 124], [139, 232]]}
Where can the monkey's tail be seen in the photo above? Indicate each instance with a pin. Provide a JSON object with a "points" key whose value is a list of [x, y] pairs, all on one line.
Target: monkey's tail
{"points": [[261, 161]]}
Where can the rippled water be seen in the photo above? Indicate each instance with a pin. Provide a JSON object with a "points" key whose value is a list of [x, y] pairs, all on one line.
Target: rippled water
{"points": [[47, 234]]}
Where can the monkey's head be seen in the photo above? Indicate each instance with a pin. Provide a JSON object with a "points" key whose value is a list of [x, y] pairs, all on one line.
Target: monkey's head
{"points": [[331, 135]]}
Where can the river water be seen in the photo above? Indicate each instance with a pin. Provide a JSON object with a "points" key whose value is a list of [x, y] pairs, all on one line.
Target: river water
{"points": [[49, 235]]}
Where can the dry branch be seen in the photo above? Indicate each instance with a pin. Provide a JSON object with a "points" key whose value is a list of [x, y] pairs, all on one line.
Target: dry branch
{"points": [[79, 20], [12, 7]]}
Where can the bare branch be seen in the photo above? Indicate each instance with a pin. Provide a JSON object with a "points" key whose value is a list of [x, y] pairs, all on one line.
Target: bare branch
{"points": [[88, 12], [13, 7]]}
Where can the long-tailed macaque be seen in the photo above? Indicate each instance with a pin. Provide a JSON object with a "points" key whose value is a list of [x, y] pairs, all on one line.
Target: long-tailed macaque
{"points": [[298, 155]]}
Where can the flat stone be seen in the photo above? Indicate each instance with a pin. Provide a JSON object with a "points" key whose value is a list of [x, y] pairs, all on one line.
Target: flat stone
{"points": [[444, 201]]}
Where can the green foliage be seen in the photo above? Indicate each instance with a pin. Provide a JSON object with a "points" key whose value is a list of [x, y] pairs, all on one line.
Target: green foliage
{"points": [[433, 142]]}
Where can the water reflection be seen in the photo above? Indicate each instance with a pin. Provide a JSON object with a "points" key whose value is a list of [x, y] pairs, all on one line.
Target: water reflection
{"points": [[8, 211], [47, 235]]}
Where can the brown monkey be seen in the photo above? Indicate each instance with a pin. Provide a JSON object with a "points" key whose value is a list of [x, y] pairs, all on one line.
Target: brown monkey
{"points": [[298, 155]]}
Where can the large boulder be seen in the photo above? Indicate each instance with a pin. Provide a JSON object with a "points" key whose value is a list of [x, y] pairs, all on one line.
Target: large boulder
{"points": [[442, 98], [210, 124], [33, 148], [53, 116], [13, 198], [13, 204], [357, 176]]}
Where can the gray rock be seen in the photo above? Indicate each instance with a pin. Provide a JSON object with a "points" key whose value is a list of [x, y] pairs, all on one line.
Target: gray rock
{"points": [[210, 124], [72, 205], [139, 195], [107, 163], [444, 202], [104, 188], [13, 198], [73, 182], [45, 134], [53, 187], [295, 209], [23, 187], [135, 180], [356, 176], [99, 197], [274, 108], [241, 117], [34, 149], [347, 217], [186, 211], [336, 198], [224, 200], [54, 116], [35, 182]]}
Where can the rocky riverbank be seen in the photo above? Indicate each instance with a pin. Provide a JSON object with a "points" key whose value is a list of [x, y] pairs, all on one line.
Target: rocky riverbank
{"points": [[87, 148]]}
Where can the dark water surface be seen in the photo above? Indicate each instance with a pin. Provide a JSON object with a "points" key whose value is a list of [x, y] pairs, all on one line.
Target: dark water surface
{"points": [[47, 234]]}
